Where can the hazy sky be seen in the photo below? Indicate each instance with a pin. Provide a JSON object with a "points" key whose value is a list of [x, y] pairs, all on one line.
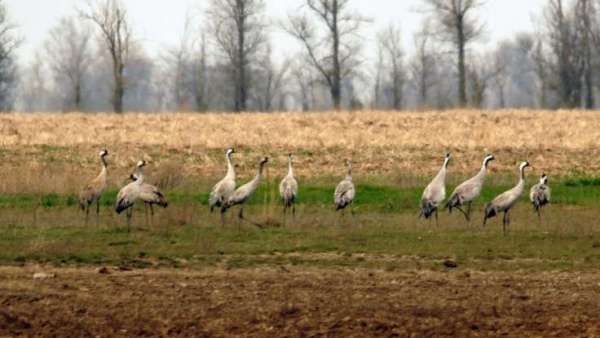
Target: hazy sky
{"points": [[159, 23]]}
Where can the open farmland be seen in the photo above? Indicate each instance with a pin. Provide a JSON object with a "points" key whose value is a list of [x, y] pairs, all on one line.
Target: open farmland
{"points": [[390, 259]]}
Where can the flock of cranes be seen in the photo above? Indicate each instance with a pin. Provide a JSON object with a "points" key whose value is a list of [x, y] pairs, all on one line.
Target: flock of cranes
{"points": [[464, 194], [225, 195]]}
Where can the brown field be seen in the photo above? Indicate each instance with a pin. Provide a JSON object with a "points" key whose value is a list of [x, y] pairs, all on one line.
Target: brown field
{"points": [[290, 301], [381, 143]]}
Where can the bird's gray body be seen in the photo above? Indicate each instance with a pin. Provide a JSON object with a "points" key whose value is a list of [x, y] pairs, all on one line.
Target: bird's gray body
{"points": [[130, 193], [469, 190], [288, 188], [505, 201], [243, 193], [540, 194], [345, 191], [93, 190], [225, 187], [435, 193], [150, 194]]}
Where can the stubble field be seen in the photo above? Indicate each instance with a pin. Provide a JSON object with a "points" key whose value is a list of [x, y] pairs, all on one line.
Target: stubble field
{"points": [[378, 272]]}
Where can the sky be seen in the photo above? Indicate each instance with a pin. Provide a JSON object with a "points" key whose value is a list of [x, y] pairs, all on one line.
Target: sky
{"points": [[159, 24]]}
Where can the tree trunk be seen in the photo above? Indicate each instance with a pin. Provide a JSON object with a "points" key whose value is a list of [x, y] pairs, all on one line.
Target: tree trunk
{"points": [[77, 96], [241, 96], [462, 83], [336, 92], [119, 85]]}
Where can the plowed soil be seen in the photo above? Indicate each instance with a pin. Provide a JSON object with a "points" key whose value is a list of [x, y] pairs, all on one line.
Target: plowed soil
{"points": [[291, 301]]}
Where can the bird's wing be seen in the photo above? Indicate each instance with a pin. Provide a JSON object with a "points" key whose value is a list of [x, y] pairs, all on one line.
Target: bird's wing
{"points": [[344, 190], [468, 190]]}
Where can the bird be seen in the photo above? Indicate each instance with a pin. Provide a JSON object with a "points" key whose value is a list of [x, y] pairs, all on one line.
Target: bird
{"points": [[469, 190], [288, 188], [505, 201], [345, 191], [435, 193], [130, 193], [92, 192], [243, 193], [150, 195], [540, 195], [225, 187]]}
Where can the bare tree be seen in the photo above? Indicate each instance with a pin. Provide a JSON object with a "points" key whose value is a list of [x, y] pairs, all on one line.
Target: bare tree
{"points": [[9, 42], [335, 55], [200, 76], [272, 78], [390, 43], [238, 27], [111, 18], [303, 77], [422, 66], [457, 26], [585, 14], [500, 69], [68, 50], [178, 64]]}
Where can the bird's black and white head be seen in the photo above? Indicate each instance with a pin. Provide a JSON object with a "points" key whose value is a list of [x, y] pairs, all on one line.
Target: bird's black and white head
{"points": [[264, 161], [103, 153], [141, 164], [447, 159], [230, 151], [488, 158], [290, 156], [544, 179], [523, 165]]}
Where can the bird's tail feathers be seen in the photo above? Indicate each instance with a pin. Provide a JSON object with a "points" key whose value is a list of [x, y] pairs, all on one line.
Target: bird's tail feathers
{"points": [[453, 201]]}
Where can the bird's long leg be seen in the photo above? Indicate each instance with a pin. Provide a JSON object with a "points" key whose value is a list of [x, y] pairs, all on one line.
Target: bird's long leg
{"points": [[241, 216], [504, 222], [437, 223], [129, 213], [223, 210], [469, 212], [87, 213], [151, 210], [294, 212], [539, 213], [146, 213], [98, 206], [463, 212]]}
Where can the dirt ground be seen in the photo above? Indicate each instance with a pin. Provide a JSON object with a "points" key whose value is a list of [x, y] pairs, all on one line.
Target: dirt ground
{"points": [[291, 301]]}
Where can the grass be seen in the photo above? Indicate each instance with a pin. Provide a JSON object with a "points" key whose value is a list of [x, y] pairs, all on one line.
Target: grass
{"points": [[385, 233], [381, 246], [371, 194]]}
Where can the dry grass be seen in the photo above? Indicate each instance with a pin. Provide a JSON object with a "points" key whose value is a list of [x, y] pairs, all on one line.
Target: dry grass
{"points": [[381, 143]]}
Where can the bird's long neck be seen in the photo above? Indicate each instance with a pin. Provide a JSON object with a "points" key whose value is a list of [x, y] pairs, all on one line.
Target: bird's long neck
{"points": [[349, 174], [104, 167], [290, 168], [139, 174], [442, 173], [230, 168], [522, 175]]}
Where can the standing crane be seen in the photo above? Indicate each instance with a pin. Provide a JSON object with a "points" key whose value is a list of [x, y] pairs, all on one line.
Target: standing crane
{"points": [[435, 192], [92, 192], [505, 201], [130, 193], [243, 193], [288, 188], [225, 187], [469, 190], [540, 195], [345, 191]]}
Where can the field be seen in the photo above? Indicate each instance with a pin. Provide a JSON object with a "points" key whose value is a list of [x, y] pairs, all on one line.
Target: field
{"points": [[377, 271]]}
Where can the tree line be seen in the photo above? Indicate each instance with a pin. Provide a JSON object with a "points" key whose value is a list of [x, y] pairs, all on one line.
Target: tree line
{"points": [[93, 61]]}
